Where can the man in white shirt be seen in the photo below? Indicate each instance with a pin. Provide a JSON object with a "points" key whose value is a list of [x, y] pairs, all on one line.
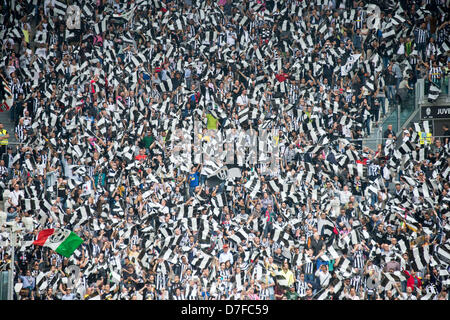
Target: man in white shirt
{"points": [[323, 276], [346, 131], [408, 295], [242, 100], [68, 294], [15, 196], [352, 295], [344, 195], [226, 255], [87, 186], [231, 37]]}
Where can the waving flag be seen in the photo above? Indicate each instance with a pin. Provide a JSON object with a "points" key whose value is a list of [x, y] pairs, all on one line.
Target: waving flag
{"points": [[6, 97], [345, 69], [63, 241], [434, 92]]}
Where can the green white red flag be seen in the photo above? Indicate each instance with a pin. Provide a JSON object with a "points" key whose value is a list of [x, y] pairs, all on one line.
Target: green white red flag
{"points": [[63, 241]]}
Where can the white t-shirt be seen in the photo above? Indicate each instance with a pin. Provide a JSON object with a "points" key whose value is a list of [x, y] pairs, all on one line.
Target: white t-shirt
{"points": [[345, 196], [225, 256], [406, 297], [386, 174], [230, 39], [242, 100], [14, 196], [355, 297], [346, 131]]}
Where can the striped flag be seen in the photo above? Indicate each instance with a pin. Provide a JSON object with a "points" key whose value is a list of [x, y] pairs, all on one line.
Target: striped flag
{"points": [[421, 258], [388, 279], [433, 92], [349, 64], [442, 253], [253, 186], [326, 227], [218, 201], [60, 8], [165, 86], [243, 116]]}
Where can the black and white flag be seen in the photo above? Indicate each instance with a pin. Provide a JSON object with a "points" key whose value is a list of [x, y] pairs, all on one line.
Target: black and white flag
{"points": [[433, 92]]}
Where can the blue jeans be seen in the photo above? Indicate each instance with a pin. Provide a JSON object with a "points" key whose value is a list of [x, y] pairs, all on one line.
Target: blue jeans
{"points": [[267, 229], [383, 104], [385, 61], [397, 83], [421, 47], [191, 191], [367, 125], [391, 94], [373, 198]]}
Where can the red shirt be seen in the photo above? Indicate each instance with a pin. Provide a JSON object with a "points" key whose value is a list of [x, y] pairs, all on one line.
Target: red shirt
{"points": [[411, 280], [282, 76], [364, 161], [141, 157], [92, 86]]}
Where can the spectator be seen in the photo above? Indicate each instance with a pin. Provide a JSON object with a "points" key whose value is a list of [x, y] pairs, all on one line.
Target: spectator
{"points": [[4, 136]]}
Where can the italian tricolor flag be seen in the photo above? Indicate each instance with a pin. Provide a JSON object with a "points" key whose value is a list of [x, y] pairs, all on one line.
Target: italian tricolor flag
{"points": [[63, 241]]}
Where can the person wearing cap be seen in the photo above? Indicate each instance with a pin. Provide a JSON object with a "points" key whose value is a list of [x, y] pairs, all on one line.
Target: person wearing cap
{"points": [[291, 294], [357, 137], [226, 255]]}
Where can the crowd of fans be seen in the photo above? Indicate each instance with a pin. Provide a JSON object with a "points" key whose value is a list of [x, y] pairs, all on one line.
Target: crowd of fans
{"points": [[103, 116]]}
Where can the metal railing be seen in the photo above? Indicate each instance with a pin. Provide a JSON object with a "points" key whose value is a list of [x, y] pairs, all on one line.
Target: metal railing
{"points": [[4, 285], [401, 113]]}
